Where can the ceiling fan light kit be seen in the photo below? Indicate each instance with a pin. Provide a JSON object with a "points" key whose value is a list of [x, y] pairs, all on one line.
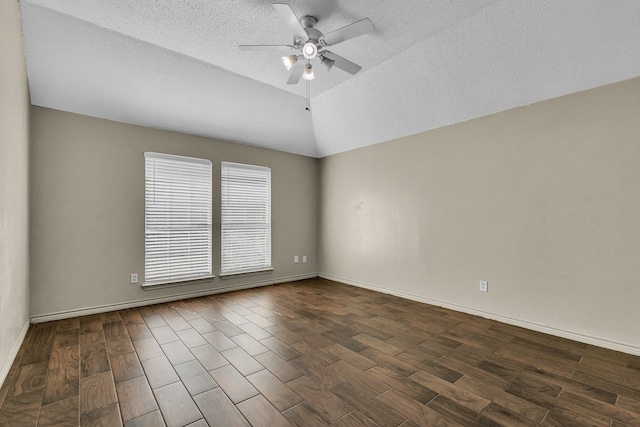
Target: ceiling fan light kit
{"points": [[311, 44], [308, 73], [328, 63], [310, 50], [289, 61]]}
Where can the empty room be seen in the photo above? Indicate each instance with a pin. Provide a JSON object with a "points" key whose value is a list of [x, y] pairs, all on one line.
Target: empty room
{"points": [[319, 213]]}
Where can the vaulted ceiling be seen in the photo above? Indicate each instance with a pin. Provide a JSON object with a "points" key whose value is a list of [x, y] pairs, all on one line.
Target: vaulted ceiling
{"points": [[176, 65]]}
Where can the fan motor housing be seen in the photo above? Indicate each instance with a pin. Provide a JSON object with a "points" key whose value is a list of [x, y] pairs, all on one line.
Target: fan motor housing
{"points": [[314, 35], [308, 22]]}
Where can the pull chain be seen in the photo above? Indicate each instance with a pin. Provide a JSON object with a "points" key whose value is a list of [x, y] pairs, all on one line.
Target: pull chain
{"points": [[308, 106]]}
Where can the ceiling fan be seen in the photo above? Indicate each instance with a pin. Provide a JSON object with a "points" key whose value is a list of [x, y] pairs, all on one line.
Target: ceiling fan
{"points": [[310, 43]]}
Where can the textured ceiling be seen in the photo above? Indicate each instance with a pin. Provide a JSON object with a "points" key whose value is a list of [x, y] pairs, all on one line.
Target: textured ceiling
{"points": [[176, 65]]}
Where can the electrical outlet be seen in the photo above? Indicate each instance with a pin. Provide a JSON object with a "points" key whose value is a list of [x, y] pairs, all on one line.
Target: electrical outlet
{"points": [[304, 258], [484, 286], [296, 259], [134, 278]]}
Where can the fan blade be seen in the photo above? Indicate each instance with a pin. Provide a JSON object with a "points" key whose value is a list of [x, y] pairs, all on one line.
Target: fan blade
{"points": [[289, 18], [340, 62], [296, 72], [356, 29], [263, 47]]}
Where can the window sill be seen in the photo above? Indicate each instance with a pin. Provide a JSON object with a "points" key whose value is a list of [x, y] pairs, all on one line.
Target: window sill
{"points": [[246, 272], [172, 283]]}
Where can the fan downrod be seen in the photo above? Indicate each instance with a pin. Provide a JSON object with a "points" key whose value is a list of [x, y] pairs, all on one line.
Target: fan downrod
{"points": [[308, 21]]}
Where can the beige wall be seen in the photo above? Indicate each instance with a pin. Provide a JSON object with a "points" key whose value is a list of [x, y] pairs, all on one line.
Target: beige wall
{"points": [[87, 205], [542, 201], [14, 188]]}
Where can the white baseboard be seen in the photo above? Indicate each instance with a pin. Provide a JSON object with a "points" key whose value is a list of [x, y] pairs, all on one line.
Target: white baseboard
{"points": [[158, 300], [4, 371], [587, 339]]}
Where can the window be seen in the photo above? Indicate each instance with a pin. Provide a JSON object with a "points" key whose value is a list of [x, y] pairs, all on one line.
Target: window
{"points": [[177, 217], [246, 218]]}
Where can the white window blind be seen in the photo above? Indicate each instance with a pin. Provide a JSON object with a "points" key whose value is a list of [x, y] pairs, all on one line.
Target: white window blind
{"points": [[246, 218], [177, 218]]}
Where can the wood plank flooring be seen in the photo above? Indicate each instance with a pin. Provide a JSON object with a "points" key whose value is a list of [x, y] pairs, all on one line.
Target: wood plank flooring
{"points": [[311, 353]]}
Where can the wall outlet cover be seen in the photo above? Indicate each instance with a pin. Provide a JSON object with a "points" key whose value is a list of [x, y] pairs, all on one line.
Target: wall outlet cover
{"points": [[134, 278], [484, 286]]}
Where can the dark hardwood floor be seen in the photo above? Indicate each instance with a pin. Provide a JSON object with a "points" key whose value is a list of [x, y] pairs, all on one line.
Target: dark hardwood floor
{"points": [[311, 353]]}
